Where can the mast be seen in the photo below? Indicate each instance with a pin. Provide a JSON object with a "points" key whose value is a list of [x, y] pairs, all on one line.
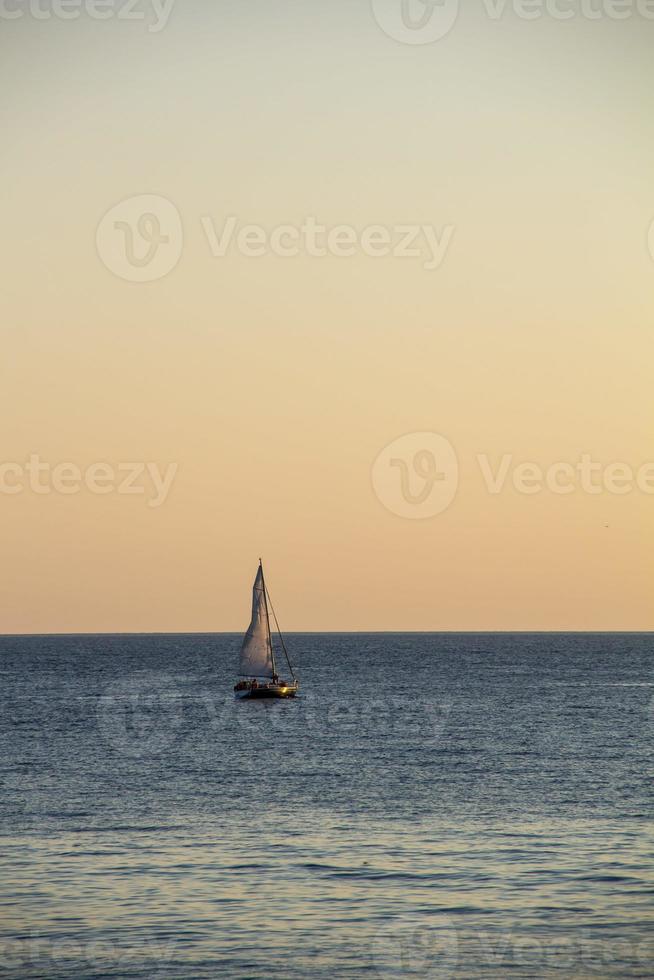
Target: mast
{"points": [[265, 603]]}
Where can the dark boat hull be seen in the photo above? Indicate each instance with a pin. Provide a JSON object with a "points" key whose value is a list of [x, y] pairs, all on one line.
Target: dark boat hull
{"points": [[266, 691]]}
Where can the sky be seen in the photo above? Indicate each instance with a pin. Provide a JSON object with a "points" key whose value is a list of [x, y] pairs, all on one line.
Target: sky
{"points": [[355, 293]]}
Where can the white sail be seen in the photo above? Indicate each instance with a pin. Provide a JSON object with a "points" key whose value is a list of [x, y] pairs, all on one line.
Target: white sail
{"points": [[256, 651]]}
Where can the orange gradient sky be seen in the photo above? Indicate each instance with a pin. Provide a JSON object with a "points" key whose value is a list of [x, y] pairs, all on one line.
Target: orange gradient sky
{"points": [[273, 383]]}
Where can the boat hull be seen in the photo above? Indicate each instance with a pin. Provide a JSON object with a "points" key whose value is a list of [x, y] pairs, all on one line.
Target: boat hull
{"points": [[266, 691]]}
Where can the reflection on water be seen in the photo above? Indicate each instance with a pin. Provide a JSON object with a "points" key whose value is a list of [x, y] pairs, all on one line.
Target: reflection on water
{"points": [[465, 806]]}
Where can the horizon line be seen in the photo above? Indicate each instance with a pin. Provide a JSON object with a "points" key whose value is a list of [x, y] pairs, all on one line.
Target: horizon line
{"points": [[344, 632]]}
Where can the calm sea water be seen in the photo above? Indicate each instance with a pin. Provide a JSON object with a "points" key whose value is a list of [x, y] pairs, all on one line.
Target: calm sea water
{"points": [[432, 806]]}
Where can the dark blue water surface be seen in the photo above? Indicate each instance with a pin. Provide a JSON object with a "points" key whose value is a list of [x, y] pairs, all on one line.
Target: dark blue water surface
{"points": [[431, 806]]}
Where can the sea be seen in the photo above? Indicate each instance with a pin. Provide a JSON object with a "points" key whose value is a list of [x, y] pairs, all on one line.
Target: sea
{"points": [[431, 805]]}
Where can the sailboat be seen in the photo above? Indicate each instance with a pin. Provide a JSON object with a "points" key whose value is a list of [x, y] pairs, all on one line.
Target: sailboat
{"points": [[258, 653]]}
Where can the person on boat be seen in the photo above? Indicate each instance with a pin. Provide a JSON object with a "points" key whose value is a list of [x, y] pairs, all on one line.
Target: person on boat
{"points": [[275, 679]]}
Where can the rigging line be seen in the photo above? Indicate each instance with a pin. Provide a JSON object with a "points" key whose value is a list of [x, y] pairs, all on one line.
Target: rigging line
{"points": [[272, 609]]}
